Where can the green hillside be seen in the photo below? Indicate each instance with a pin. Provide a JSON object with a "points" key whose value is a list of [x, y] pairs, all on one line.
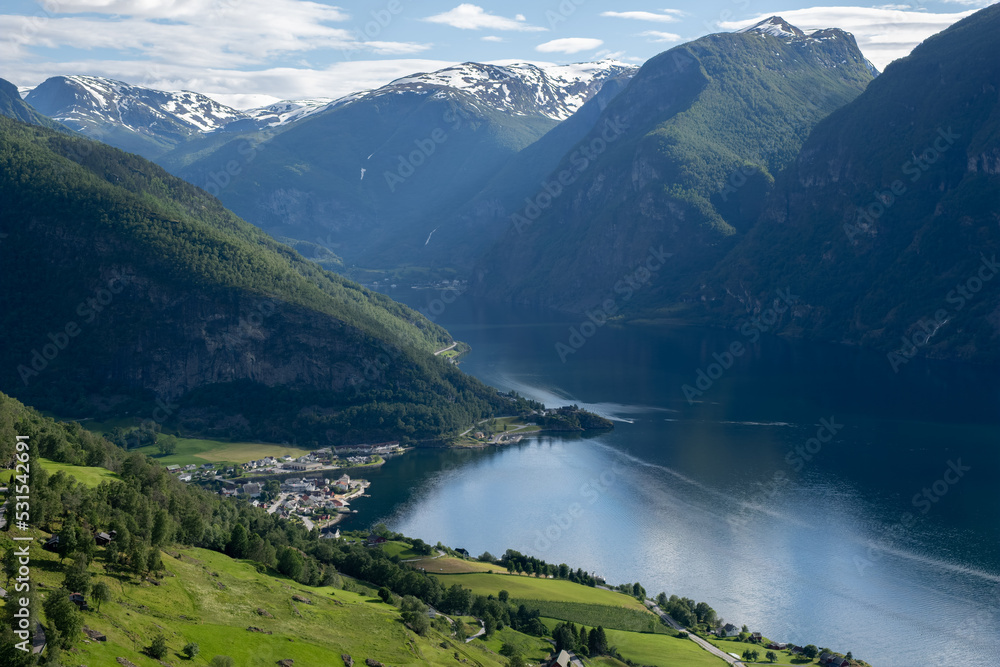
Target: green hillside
{"points": [[158, 297], [12, 106], [886, 223], [679, 162]]}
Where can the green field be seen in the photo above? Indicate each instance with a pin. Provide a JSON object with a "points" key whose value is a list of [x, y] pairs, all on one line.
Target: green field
{"points": [[83, 474], [198, 451], [532, 649], [654, 650], [452, 565], [532, 588], [737, 647], [401, 549], [592, 615], [662, 650], [212, 600]]}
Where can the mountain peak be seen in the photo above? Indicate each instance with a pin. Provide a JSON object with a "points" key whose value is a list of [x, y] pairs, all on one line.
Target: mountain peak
{"points": [[776, 27]]}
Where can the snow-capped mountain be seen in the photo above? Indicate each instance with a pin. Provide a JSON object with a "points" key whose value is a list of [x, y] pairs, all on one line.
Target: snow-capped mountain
{"points": [[152, 122], [556, 92], [776, 26], [79, 101]]}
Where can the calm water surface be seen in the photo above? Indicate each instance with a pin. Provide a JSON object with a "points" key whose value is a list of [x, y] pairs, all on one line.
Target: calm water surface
{"points": [[725, 499]]}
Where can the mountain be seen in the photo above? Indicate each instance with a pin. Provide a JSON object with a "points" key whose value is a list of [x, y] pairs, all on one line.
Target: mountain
{"points": [[373, 177], [674, 171], [160, 302], [134, 118], [12, 106], [887, 223], [470, 228]]}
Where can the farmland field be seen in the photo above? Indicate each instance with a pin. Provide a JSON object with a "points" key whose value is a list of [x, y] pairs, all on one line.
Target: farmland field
{"points": [[532, 588]]}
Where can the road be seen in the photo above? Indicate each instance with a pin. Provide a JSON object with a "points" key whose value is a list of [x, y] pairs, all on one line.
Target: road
{"points": [[482, 631], [450, 347], [695, 638], [274, 506]]}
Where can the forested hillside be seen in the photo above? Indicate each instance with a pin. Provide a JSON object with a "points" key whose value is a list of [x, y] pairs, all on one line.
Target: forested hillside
{"points": [[154, 294]]}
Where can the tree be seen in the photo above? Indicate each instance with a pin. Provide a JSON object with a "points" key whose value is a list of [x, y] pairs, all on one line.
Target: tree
{"points": [[77, 578], [166, 447], [460, 633], [385, 594], [64, 615], [849, 656], [771, 656], [239, 542], [503, 596], [417, 621], [638, 591], [810, 651], [457, 600], [10, 565], [158, 648], [564, 637], [516, 661], [100, 593], [190, 650], [290, 563], [222, 661]]}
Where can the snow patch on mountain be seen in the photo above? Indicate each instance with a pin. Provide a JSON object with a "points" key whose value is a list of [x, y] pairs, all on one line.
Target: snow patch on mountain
{"points": [[556, 91]]}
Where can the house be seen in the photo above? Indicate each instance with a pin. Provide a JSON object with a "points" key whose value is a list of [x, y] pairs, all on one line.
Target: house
{"points": [[729, 630], [186, 477], [833, 660], [52, 544], [102, 539], [462, 552], [561, 660], [756, 637], [173, 468], [79, 601], [374, 540], [777, 646], [330, 534], [251, 489]]}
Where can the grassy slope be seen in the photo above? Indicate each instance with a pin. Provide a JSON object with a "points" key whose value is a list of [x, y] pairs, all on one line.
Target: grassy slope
{"points": [[198, 451], [654, 650], [661, 650], [210, 599], [531, 588], [90, 476]]}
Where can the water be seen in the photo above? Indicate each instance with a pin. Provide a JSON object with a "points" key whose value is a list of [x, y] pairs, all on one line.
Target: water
{"points": [[725, 499]]}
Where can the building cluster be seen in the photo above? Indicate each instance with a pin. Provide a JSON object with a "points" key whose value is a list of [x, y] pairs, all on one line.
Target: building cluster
{"points": [[317, 499]]}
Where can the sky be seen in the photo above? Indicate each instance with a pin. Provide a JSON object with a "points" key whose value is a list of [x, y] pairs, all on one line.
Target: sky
{"points": [[248, 53]]}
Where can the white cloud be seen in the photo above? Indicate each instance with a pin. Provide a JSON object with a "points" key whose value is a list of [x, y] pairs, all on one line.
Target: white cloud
{"points": [[212, 33], [396, 48], [472, 17], [882, 34], [666, 15], [492, 38], [660, 37], [569, 45]]}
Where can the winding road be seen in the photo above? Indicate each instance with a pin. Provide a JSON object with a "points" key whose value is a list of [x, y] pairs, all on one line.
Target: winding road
{"points": [[693, 637]]}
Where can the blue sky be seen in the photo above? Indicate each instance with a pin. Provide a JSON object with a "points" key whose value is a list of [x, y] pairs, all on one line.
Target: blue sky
{"points": [[249, 52]]}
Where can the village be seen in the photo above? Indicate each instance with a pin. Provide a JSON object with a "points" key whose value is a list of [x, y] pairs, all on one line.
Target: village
{"points": [[295, 488]]}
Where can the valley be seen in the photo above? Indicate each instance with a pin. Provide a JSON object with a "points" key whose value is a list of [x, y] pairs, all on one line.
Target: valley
{"points": [[626, 336]]}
